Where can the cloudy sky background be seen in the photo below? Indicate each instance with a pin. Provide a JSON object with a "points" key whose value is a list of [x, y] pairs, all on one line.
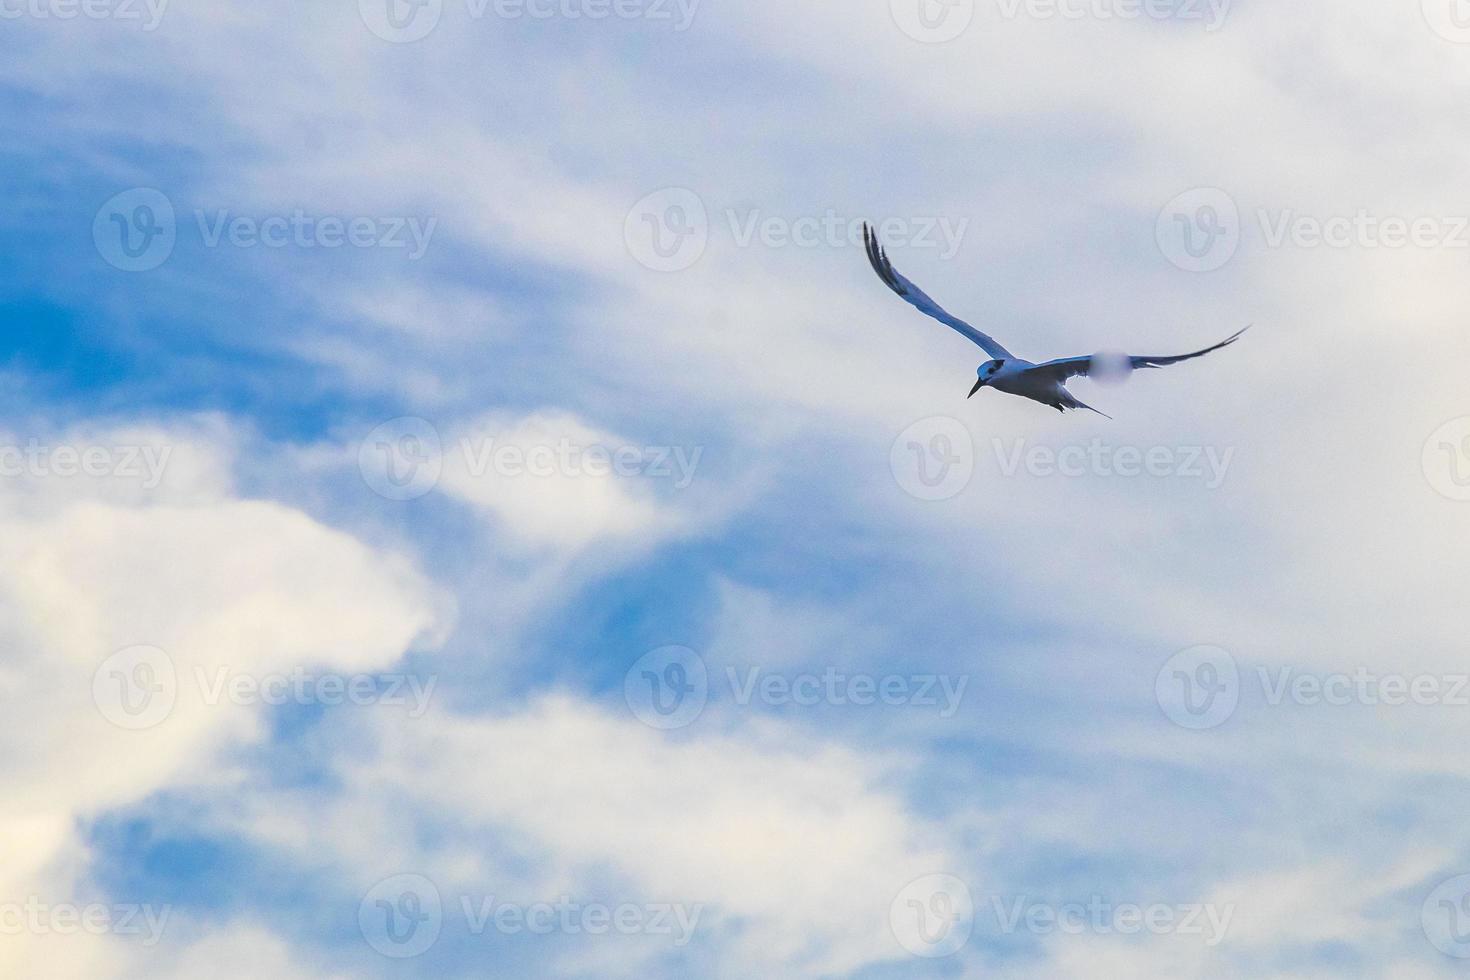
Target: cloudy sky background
{"points": [[552, 165]]}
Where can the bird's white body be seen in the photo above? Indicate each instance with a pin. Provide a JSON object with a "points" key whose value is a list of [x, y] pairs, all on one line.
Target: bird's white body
{"points": [[1016, 376], [1045, 382], [1013, 378]]}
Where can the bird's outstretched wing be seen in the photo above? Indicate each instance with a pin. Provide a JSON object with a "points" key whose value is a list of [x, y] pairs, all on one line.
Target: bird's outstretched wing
{"points": [[920, 300], [1069, 367]]}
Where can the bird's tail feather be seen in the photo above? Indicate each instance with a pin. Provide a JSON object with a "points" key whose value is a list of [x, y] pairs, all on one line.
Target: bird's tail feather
{"points": [[1069, 400], [1090, 409]]}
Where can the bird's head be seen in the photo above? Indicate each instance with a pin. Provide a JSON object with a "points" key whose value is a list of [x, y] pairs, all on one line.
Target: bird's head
{"points": [[985, 372]]}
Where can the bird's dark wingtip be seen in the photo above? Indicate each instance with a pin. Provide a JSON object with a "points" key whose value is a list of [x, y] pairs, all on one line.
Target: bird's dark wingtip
{"points": [[878, 258], [1233, 337]]}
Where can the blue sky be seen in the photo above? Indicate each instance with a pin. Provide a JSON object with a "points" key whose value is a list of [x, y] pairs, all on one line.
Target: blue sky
{"points": [[512, 499]]}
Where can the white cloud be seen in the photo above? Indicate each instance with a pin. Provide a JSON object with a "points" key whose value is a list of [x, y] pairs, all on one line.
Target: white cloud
{"points": [[210, 580], [550, 480], [1256, 918], [793, 845], [242, 950], [1326, 546]]}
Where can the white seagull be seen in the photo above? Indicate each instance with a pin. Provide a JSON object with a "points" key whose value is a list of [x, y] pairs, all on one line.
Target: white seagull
{"points": [[1045, 382]]}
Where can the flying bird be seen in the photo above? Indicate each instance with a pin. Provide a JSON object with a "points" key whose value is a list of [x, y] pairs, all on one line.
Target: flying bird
{"points": [[1045, 382]]}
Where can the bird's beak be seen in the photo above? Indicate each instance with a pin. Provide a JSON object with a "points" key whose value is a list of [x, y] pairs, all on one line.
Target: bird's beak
{"points": [[978, 385]]}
